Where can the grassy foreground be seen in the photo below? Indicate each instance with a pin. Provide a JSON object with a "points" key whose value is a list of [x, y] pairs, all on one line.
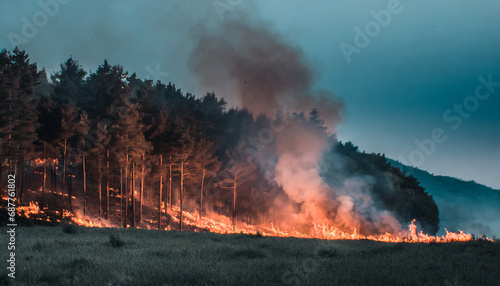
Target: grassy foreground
{"points": [[71, 255]]}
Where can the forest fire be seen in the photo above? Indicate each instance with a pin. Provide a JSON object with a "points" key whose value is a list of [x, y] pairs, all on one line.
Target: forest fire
{"points": [[221, 224], [216, 223], [249, 143], [31, 209], [149, 156]]}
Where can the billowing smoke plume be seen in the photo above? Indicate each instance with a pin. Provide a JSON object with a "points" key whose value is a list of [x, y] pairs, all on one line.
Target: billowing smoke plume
{"points": [[256, 69]]}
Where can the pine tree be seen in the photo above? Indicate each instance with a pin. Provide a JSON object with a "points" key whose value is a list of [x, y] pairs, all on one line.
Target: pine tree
{"points": [[187, 170], [69, 83], [205, 165], [18, 116], [68, 127], [101, 144], [240, 173], [68, 92], [129, 142], [103, 88], [83, 128], [160, 191], [315, 119], [5, 105]]}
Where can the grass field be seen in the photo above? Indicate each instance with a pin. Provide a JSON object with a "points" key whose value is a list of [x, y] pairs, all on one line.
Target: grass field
{"points": [[72, 255]]}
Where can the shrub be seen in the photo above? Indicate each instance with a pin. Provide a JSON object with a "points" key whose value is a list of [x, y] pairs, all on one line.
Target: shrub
{"points": [[248, 254], [328, 253], [115, 241], [37, 246], [258, 234], [4, 279], [69, 228], [80, 264]]}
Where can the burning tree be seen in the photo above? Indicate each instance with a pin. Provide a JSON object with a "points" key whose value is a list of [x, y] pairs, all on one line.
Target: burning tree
{"points": [[100, 152], [83, 128], [153, 136], [68, 127], [205, 164], [129, 146], [239, 174], [68, 88]]}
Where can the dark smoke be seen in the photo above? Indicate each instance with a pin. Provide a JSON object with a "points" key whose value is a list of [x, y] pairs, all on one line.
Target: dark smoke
{"points": [[255, 68]]}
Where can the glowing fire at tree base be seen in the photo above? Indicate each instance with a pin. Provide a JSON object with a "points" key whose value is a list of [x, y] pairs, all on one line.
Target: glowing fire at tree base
{"points": [[221, 224]]}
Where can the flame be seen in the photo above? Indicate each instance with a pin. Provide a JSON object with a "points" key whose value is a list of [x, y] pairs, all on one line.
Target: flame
{"points": [[221, 224], [39, 161], [32, 209], [85, 222], [216, 223]]}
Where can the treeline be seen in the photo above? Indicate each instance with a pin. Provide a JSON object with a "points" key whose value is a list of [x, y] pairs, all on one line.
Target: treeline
{"points": [[110, 134], [112, 131]]}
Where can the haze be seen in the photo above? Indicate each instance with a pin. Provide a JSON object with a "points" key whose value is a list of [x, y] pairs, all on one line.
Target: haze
{"points": [[423, 62]]}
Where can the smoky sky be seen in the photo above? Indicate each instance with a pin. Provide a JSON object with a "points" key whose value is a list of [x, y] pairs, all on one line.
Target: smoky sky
{"points": [[396, 90], [256, 69]]}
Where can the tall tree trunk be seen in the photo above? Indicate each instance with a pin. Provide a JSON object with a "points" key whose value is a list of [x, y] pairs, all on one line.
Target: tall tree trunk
{"points": [[44, 170], [9, 161], [15, 172], [84, 183], [51, 168], [1, 167], [234, 203], [126, 189], [70, 188], [170, 184], [121, 196], [22, 179], [54, 177], [99, 184], [22, 186], [133, 195], [201, 192], [63, 177], [142, 189], [107, 184], [181, 191], [62, 200], [160, 197], [33, 173], [165, 196]]}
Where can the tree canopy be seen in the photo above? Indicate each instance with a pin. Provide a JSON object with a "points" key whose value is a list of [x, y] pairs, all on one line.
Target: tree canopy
{"points": [[135, 121]]}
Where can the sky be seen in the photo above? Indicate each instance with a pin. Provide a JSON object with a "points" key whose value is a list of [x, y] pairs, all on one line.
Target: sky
{"points": [[420, 80]]}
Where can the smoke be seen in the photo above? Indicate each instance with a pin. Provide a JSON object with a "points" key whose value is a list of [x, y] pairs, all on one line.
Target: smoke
{"points": [[255, 68], [297, 172], [349, 207]]}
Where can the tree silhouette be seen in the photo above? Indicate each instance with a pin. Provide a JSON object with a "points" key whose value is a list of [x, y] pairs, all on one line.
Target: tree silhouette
{"points": [[240, 172], [18, 116], [153, 135]]}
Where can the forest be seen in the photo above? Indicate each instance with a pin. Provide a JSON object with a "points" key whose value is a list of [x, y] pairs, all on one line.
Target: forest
{"points": [[125, 149]]}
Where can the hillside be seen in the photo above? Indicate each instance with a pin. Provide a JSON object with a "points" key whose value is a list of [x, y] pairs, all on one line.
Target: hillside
{"points": [[464, 205], [124, 148]]}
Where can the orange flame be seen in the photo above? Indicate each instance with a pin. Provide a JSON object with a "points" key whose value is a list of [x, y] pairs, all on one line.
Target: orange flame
{"points": [[217, 223], [32, 209]]}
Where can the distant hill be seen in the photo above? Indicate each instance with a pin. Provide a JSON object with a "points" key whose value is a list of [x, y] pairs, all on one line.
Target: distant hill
{"points": [[463, 205]]}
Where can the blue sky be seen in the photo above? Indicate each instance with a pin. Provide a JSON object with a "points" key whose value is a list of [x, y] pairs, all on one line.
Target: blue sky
{"points": [[396, 88]]}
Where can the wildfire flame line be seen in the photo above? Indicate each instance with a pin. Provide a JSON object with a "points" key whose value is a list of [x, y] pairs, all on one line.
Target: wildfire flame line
{"points": [[221, 224]]}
